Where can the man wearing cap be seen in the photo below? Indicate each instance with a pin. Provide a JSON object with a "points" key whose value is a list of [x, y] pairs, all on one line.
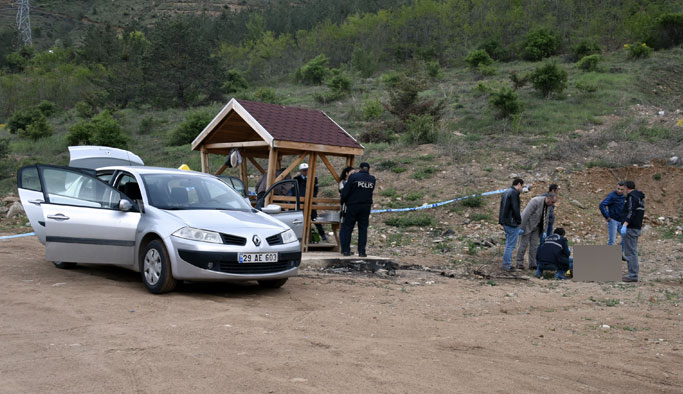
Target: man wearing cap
{"points": [[301, 179], [357, 196]]}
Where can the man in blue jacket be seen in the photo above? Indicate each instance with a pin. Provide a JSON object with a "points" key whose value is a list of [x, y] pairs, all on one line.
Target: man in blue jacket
{"points": [[611, 208], [510, 217], [553, 254], [634, 211]]}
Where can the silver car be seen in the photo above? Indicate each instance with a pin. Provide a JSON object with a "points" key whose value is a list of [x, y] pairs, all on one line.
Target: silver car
{"points": [[167, 224]]}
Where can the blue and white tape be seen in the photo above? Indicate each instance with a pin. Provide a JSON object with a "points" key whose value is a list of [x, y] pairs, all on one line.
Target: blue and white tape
{"points": [[16, 236]]}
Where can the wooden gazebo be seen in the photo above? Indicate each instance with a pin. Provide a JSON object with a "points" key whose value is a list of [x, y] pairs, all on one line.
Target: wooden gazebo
{"points": [[278, 133]]}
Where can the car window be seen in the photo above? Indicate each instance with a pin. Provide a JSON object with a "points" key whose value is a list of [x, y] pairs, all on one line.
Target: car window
{"points": [[29, 179], [69, 187], [128, 185], [105, 176], [191, 191]]}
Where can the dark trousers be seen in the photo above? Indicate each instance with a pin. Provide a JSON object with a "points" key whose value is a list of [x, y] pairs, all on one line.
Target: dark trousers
{"points": [[360, 214]]}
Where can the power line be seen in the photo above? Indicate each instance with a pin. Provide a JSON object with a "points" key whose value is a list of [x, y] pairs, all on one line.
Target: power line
{"points": [[24, 22]]}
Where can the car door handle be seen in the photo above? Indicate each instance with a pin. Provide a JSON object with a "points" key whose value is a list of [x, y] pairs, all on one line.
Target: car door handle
{"points": [[58, 216], [297, 222], [36, 202]]}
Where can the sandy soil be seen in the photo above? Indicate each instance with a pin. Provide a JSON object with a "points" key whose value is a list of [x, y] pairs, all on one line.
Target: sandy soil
{"points": [[96, 329]]}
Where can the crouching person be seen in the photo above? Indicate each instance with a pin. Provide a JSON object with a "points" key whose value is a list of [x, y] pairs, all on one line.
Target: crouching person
{"points": [[553, 254]]}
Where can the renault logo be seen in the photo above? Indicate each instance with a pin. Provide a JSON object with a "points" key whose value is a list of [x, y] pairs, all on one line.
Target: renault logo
{"points": [[256, 240]]}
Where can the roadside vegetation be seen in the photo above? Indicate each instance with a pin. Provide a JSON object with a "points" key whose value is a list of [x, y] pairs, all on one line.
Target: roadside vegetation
{"points": [[462, 75]]}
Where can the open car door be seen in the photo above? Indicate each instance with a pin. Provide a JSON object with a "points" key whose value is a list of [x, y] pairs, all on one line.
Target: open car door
{"points": [[285, 205], [84, 219]]}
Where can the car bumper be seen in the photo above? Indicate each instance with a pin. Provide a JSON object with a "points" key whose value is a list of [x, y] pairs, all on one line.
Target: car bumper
{"points": [[216, 262]]}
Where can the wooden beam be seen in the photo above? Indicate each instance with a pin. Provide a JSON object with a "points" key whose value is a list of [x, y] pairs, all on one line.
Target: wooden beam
{"points": [[204, 160], [349, 160], [244, 175], [220, 170], [272, 163], [329, 167], [310, 183], [244, 144], [256, 164], [290, 168], [329, 149]]}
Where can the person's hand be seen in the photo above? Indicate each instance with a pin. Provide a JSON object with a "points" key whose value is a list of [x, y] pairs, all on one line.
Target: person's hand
{"points": [[521, 231], [623, 230], [543, 237]]}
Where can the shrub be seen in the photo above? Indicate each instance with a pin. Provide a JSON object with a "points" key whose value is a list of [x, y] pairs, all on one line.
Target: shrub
{"points": [[424, 173], [420, 129], [372, 109], [234, 82], [20, 120], [585, 48], [589, 63], [102, 129], [494, 49], [549, 78], [506, 102], [586, 88], [477, 57], [391, 78], [518, 81], [433, 69], [146, 125], [46, 108], [377, 134], [414, 220], [190, 128], [539, 44], [473, 202], [486, 70], [638, 51], [85, 110], [667, 32], [339, 82], [328, 97], [313, 72], [4, 147], [37, 129], [364, 61]]}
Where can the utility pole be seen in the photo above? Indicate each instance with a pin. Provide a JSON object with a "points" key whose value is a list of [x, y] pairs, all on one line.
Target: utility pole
{"points": [[23, 22]]}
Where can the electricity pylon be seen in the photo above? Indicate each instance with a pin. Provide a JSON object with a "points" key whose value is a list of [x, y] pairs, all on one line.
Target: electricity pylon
{"points": [[24, 22]]}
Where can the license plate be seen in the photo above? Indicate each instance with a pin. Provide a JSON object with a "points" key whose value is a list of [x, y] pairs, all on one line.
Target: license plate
{"points": [[257, 257]]}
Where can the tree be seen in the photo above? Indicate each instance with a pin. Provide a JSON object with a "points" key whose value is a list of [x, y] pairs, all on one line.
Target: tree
{"points": [[549, 78], [190, 128], [102, 129]]}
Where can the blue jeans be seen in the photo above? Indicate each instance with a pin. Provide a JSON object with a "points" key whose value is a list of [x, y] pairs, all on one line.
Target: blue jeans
{"points": [[612, 231], [511, 234]]}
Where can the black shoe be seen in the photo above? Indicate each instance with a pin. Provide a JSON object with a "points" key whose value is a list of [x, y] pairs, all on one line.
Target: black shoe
{"points": [[362, 255], [346, 253], [629, 279]]}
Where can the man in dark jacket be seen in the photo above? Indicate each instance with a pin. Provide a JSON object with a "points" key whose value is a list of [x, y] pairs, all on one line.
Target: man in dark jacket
{"points": [[611, 208], [510, 218], [357, 197], [553, 254], [634, 210]]}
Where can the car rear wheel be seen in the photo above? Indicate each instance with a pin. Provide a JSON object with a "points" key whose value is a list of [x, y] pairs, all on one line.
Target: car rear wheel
{"points": [[272, 283], [156, 268], [63, 265]]}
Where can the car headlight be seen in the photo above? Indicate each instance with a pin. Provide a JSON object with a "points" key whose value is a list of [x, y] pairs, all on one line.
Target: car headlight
{"points": [[288, 236], [196, 234]]}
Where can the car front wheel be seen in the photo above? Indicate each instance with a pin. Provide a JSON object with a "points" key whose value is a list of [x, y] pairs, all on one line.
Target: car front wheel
{"points": [[156, 268], [272, 283], [63, 265]]}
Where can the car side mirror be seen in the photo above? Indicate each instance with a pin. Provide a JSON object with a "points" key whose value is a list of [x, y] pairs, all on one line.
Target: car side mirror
{"points": [[125, 205], [271, 209]]}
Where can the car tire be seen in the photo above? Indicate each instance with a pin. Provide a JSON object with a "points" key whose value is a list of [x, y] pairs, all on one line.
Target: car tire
{"points": [[64, 266], [155, 268], [272, 283]]}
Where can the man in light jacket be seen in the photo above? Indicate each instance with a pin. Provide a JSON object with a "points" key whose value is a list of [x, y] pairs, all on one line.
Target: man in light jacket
{"points": [[534, 224]]}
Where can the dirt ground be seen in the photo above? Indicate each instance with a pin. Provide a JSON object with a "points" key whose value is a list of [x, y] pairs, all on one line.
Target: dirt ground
{"points": [[96, 329]]}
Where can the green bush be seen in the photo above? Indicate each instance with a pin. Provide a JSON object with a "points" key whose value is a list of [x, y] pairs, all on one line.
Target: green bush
{"points": [[234, 82], [339, 81], [486, 70], [667, 31], [372, 109], [328, 97], [638, 51], [506, 102], [411, 220], [585, 48], [478, 57], [47, 108], [190, 128], [586, 88], [377, 134], [420, 129], [518, 82], [549, 78], [473, 202], [589, 63], [391, 78], [146, 125], [494, 49], [4, 147], [102, 129], [424, 173], [20, 120], [433, 68], [313, 72], [37, 129], [364, 61], [539, 44], [85, 110]]}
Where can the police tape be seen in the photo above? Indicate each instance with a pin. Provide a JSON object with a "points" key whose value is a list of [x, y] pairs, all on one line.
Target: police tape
{"points": [[437, 204], [16, 236]]}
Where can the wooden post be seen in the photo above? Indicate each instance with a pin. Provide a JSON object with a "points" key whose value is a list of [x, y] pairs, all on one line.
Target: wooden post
{"points": [[244, 174], [272, 164], [308, 203], [204, 159], [349, 160]]}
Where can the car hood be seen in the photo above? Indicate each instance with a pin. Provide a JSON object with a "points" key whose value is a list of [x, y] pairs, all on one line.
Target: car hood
{"points": [[227, 221]]}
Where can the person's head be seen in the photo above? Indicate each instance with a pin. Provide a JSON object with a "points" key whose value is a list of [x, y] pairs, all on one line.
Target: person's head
{"points": [[303, 169], [551, 199], [345, 173], [553, 188], [630, 186], [559, 231], [620, 188], [365, 167], [518, 184]]}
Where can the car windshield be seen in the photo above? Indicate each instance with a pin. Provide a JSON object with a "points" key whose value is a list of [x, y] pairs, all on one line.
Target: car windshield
{"points": [[191, 191]]}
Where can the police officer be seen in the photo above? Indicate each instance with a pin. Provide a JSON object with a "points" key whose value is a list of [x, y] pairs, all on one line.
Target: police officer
{"points": [[357, 196]]}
